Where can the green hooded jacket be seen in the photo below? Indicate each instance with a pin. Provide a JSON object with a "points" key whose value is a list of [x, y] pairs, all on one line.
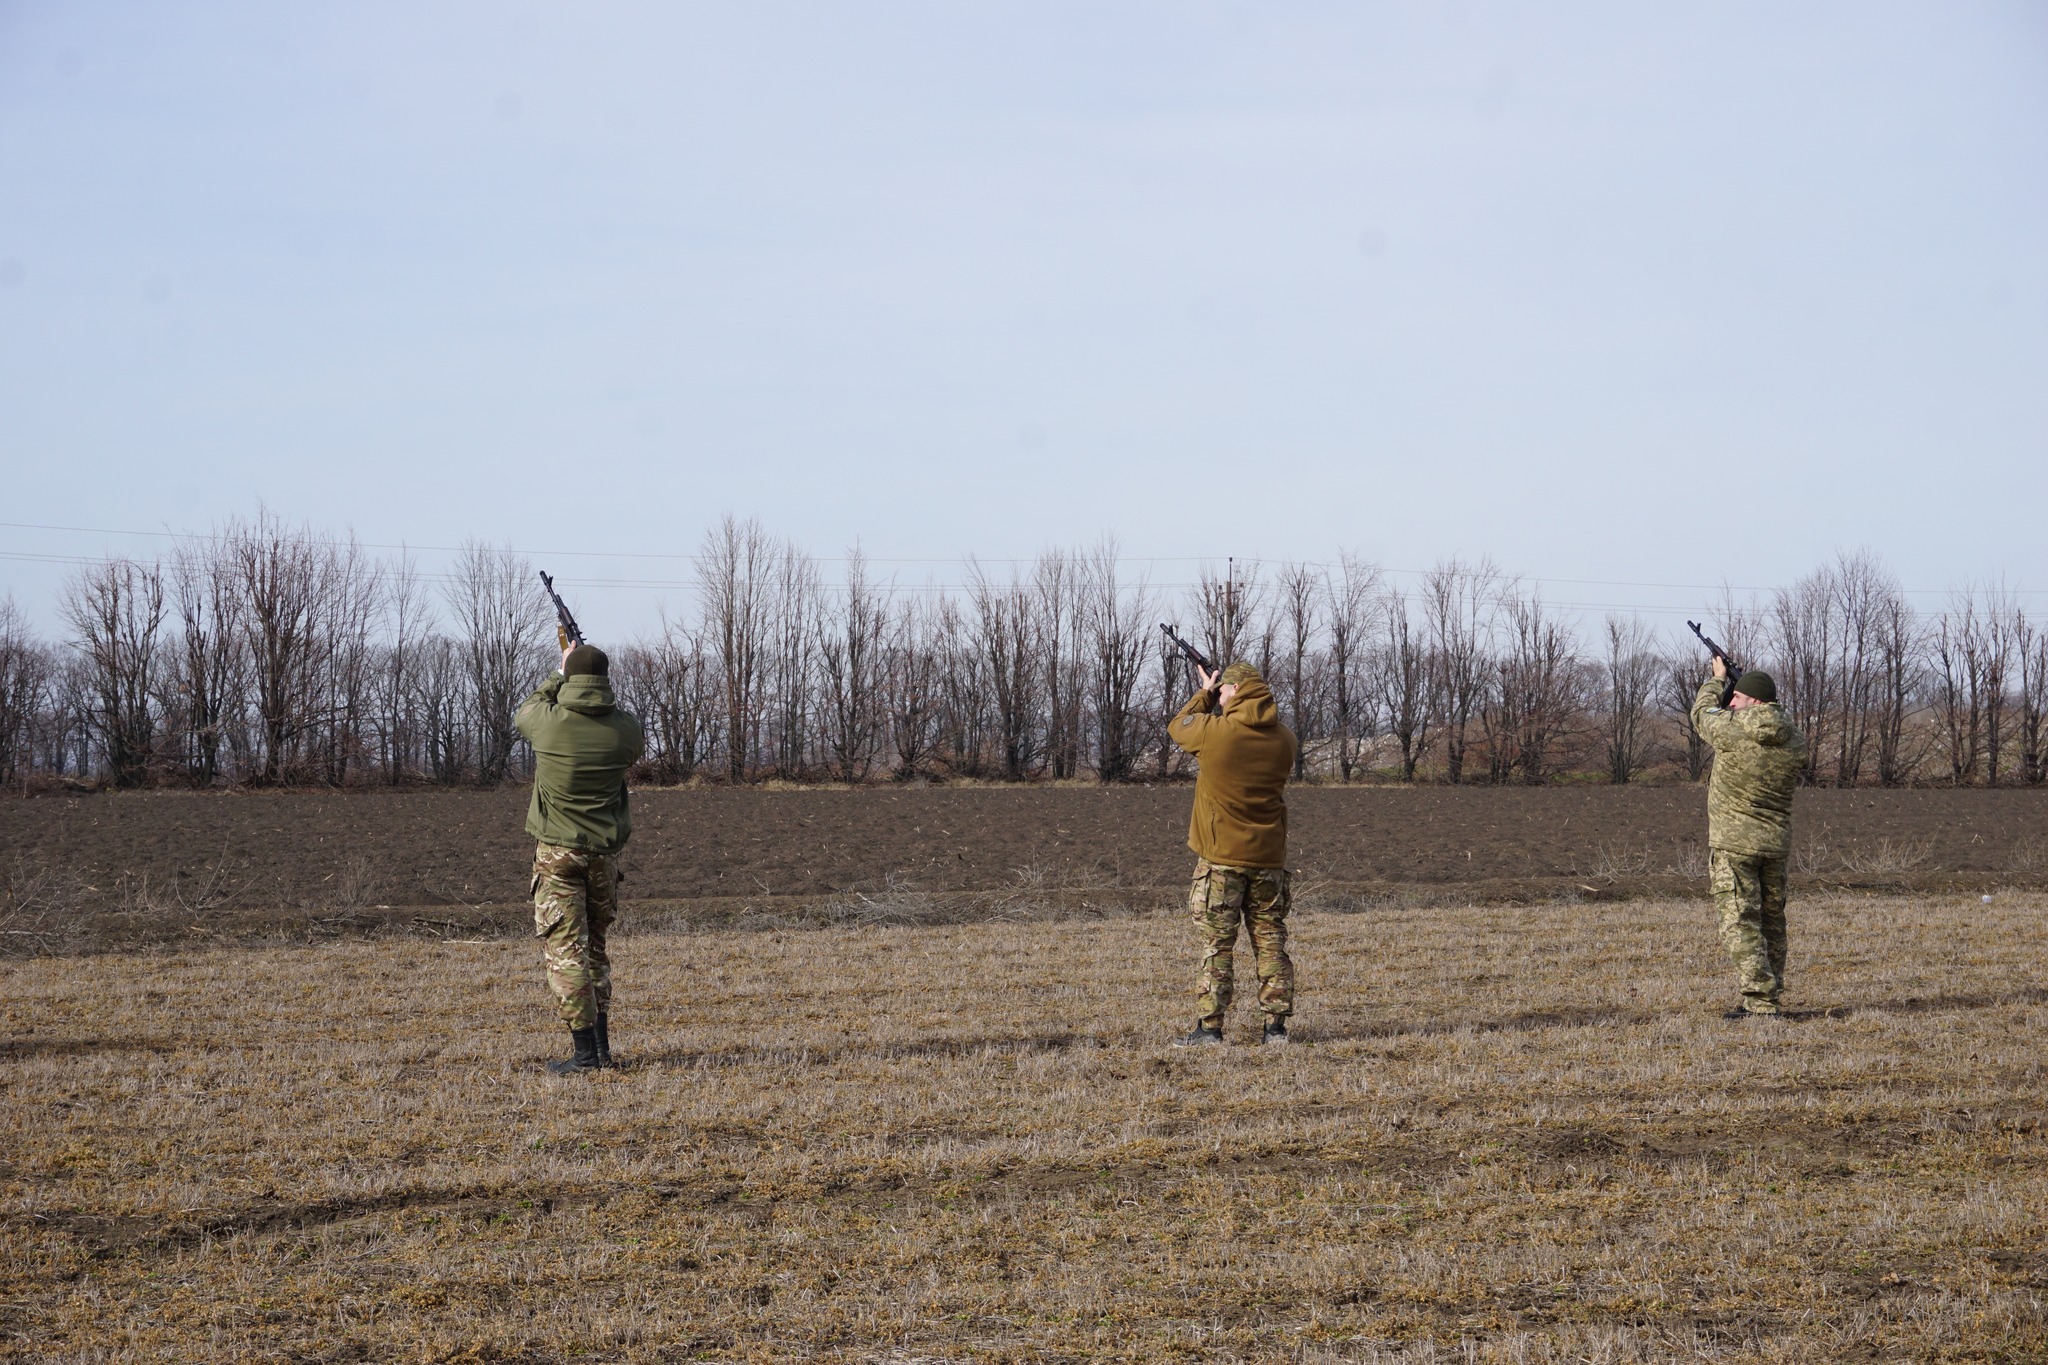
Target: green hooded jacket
{"points": [[1758, 753], [582, 745], [1240, 815]]}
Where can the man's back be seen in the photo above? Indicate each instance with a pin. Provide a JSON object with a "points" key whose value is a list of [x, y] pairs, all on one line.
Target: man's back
{"points": [[1758, 756], [582, 745], [1240, 815]]}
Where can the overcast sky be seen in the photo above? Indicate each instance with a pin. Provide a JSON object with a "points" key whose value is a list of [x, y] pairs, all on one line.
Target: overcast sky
{"points": [[1617, 294]]}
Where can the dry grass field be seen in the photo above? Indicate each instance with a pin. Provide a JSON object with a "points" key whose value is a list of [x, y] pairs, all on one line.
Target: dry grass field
{"points": [[1508, 1133]]}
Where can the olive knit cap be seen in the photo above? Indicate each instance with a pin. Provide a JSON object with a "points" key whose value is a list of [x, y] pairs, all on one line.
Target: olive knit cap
{"points": [[1238, 674], [1757, 683], [587, 659]]}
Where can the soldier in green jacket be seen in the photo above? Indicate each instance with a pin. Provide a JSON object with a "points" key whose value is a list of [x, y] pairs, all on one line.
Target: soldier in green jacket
{"points": [[582, 745], [1238, 832], [1758, 754]]}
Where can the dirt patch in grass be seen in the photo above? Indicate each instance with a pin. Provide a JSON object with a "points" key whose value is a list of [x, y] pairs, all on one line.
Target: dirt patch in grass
{"points": [[105, 871]]}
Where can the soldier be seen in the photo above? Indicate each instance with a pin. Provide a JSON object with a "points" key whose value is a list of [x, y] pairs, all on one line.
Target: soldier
{"points": [[1758, 753], [582, 745], [1239, 834]]}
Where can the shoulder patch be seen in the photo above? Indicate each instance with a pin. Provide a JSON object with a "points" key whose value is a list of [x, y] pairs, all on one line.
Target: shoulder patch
{"points": [[1187, 721]]}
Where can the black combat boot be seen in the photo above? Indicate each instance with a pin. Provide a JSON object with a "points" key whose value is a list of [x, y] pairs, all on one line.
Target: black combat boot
{"points": [[604, 1042], [585, 1058], [1276, 1029], [1201, 1035]]}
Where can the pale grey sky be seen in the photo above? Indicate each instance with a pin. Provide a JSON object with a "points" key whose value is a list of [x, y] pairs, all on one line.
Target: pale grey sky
{"points": [[1617, 294]]}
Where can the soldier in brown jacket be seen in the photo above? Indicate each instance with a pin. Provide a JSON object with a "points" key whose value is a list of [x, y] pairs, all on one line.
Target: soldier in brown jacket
{"points": [[1239, 835]]}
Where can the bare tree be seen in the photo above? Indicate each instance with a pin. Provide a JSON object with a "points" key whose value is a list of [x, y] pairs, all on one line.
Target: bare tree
{"points": [[211, 676], [1898, 646], [68, 734], [1229, 609], [496, 601], [911, 687], [1056, 583], [1458, 605], [1960, 682], [1742, 628], [1538, 689], [849, 650], [1352, 609], [407, 620], [1679, 682], [792, 641], [350, 611], [1116, 624], [438, 681], [1407, 683], [666, 683], [116, 609], [1805, 635], [1301, 590], [965, 698], [1005, 634], [1862, 589], [283, 577], [2030, 650], [1999, 637], [1631, 677], [27, 671], [734, 566], [1170, 689]]}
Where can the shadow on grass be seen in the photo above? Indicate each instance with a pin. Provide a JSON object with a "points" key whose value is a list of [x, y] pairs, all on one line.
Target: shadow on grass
{"points": [[21, 1049], [939, 1048], [1925, 1004], [1529, 1022]]}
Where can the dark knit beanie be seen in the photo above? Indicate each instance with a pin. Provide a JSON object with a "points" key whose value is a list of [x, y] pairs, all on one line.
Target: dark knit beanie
{"points": [[587, 659], [1757, 683], [1238, 674]]}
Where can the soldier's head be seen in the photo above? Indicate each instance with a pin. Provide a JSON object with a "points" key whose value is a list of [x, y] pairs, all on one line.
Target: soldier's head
{"points": [[1753, 688], [588, 660], [1234, 677]]}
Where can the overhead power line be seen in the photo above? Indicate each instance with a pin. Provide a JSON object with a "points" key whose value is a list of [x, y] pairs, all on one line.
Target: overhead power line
{"points": [[649, 583]]}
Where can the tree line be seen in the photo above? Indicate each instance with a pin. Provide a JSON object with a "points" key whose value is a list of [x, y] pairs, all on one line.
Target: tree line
{"points": [[264, 654]]}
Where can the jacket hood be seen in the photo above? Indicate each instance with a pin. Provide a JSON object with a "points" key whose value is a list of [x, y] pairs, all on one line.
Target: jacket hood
{"points": [[587, 694], [1253, 705], [1766, 724]]}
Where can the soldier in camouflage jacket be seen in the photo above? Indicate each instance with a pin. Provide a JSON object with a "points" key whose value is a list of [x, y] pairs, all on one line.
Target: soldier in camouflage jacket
{"points": [[1758, 755]]}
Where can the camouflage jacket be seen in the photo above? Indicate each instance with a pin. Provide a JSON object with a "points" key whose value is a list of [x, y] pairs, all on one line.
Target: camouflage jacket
{"points": [[1240, 815], [582, 745], [1758, 753]]}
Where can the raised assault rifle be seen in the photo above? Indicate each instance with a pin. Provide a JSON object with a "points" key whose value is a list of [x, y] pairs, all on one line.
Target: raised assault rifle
{"points": [[566, 629], [1727, 662], [1194, 656]]}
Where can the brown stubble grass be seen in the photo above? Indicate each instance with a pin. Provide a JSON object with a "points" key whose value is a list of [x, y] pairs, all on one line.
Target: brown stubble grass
{"points": [[1508, 1133]]}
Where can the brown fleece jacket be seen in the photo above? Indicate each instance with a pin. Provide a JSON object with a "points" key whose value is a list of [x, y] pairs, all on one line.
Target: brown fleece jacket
{"points": [[1240, 817]]}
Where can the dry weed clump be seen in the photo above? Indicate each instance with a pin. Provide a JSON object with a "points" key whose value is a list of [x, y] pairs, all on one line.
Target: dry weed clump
{"points": [[1506, 1134]]}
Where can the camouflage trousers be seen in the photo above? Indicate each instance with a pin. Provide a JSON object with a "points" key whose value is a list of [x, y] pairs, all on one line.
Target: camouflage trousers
{"points": [[1260, 897], [1749, 893], [575, 897]]}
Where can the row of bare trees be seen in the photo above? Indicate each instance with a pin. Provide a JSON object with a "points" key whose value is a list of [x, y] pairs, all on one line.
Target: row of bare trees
{"points": [[267, 654]]}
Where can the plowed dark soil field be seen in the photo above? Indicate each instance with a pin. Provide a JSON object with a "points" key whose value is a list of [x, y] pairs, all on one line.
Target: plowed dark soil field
{"points": [[120, 870]]}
